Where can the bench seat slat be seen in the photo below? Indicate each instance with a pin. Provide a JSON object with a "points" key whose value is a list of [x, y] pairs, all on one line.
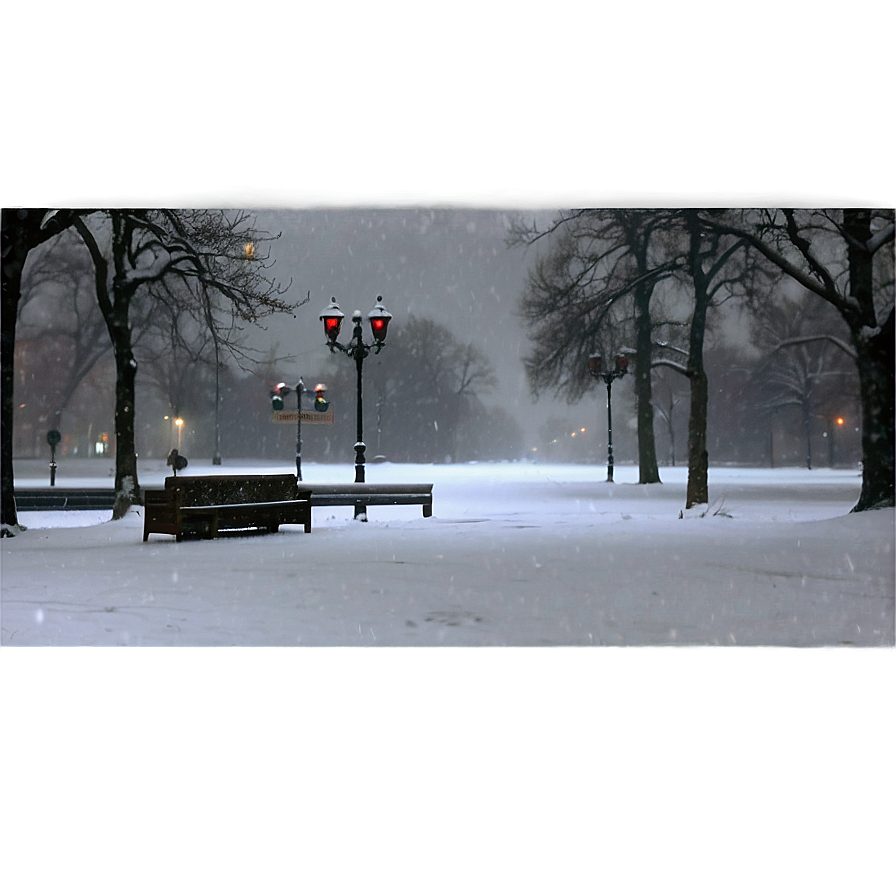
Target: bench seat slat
{"points": [[247, 507]]}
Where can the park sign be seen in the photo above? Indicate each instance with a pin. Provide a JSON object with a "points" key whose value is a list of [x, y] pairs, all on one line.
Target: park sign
{"points": [[306, 417]]}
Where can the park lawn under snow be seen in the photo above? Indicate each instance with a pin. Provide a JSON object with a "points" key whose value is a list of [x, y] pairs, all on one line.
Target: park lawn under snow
{"points": [[514, 554]]}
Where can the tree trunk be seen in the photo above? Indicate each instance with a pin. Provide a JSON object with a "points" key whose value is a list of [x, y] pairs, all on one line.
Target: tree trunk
{"points": [[115, 302], [127, 490], [875, 360], [22, 229], [647, 463], [698, 456], [10, 289]]}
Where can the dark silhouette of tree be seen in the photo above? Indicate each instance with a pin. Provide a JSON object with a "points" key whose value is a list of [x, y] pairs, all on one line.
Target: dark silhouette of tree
{"points": [[21, 231], [808, 362], [591, 292], [594, 287], [425, 383], [843, 257]]}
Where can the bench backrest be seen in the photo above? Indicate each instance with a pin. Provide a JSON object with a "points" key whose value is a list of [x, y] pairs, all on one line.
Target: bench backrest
{"points": [[209, 490]]}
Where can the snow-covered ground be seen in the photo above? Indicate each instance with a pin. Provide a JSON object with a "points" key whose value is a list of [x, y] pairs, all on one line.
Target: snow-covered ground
{"points": [[515, 554]]}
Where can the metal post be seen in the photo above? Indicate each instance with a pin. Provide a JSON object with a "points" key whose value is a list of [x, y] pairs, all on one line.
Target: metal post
{"points": [[356, 349], [360, 354], [216, 457], [300, 388], [609, 430], [360, 447]]}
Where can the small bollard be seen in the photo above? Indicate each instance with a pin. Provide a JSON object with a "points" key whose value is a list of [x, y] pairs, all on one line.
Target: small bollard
{"points": [[53, 439]]}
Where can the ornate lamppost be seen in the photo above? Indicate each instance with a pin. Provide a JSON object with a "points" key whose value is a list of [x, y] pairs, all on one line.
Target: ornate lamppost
{"points": [[358, 350], [595, 368]]}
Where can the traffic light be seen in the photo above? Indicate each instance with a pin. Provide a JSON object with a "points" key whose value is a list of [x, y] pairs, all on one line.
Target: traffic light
{"points": [[320, 403], [279, 392]]}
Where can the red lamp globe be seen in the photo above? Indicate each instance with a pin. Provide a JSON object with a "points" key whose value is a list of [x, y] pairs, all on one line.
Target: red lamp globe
{"points": [[332, 317], [379, 321]]}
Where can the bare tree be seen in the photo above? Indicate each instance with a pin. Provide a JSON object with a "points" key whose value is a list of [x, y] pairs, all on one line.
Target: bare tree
{"points": [[426, 384], [803, 367], [591, 291], [131, 249], [843, 257]]}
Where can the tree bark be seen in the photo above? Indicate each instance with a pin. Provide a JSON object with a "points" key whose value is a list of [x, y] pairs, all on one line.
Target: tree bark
{"points": [[115, 302], [698, 455], [14, 255], [875, 359], [647, 462], [127, 490]]}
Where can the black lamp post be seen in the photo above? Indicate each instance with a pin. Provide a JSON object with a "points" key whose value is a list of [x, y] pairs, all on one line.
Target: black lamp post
{"points": [[595, 368], [358, 350]]}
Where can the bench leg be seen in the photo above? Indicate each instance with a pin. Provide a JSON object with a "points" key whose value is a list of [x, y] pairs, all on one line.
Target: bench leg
{"points": [[427, 510]]}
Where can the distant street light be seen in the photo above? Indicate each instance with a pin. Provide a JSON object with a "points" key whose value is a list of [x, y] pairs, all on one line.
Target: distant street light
{"points": [[595, 368], [179, 423], [379, 318], [833, 422]]}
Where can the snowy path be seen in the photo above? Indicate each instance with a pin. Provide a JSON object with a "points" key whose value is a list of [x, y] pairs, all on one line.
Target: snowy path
{"points": [[514, 555]]}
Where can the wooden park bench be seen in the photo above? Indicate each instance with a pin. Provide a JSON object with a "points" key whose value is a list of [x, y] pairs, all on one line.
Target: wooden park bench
{"points": [[203, 506], [360, 494]]}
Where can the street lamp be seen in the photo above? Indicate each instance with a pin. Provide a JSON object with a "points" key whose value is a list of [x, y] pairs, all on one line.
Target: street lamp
{"points": [[179, 423], [595, 368], [833, 422], [357, 349]]}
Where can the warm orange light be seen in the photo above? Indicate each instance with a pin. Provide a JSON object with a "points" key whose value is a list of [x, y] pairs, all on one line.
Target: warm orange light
{"points": [[839, 421], [249, 251]]}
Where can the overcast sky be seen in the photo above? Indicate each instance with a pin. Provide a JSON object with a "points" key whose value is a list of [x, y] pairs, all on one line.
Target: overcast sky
{"points": [[448, 264]]}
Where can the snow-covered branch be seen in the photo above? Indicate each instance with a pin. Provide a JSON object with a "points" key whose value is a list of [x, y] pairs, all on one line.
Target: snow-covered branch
{"points": [[799, 340], [672, 365]]}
